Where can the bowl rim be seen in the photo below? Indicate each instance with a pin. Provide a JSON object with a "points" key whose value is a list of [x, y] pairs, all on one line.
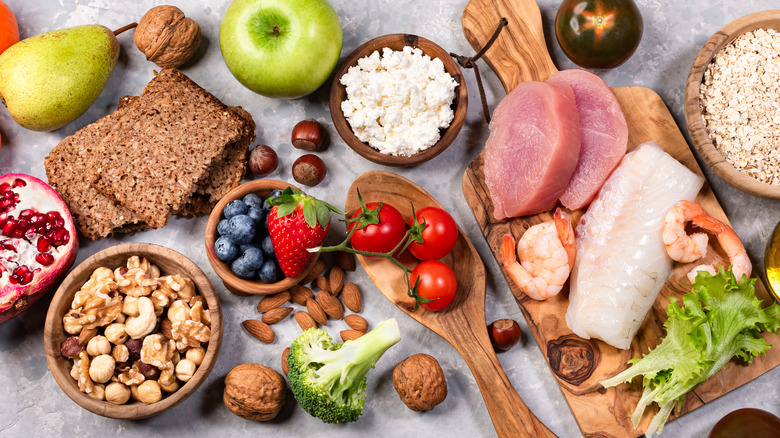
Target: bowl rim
{"points": [[54, 333], [693, 118], [338, 94], [232, 282]]}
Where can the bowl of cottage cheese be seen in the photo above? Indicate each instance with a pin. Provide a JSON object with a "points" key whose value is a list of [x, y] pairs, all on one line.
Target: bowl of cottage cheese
{"points": [[398, 100]]}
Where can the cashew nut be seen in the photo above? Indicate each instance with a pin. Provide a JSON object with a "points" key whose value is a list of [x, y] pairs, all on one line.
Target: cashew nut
{"points": [[143, 324]]}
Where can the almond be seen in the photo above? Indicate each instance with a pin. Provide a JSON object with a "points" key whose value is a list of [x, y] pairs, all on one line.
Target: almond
{"points": [[87, 334], [300, 294], [345, 260], [350, 335], [316, 312], [323, 283], [331, 305], [285, 368], [275, 315], [356, 322], [335, 280], [352, 298], [260, 330], [319, 268], [273, 301], [166, 328], [305, 320]]}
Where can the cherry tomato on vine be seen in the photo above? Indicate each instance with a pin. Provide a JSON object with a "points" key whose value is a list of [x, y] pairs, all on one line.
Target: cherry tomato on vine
{"points": [[437, 283], [380, 237], [439, 235]]}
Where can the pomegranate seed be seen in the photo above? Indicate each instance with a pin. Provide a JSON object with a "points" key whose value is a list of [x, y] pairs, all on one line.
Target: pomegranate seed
{"points": [[18, 233], [8, 195], [6, 244], [4, 186], [10, 226], [26, 213], [60, 237], [23, 224], [38, 219], [20, 274], [44, 258], [43, 244], [59, 222], [5, 203], [18, 182], [54, 215]]}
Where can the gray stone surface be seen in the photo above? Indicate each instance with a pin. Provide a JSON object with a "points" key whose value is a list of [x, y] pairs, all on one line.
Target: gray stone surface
{"points": [[31, 403]]}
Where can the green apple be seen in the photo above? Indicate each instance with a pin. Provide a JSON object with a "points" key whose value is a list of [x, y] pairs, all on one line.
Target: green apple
{"points": [[280, 48]]}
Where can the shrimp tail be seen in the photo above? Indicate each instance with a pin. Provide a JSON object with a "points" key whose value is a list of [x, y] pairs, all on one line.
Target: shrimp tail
{"points": [[566, 234], [729, 241]]}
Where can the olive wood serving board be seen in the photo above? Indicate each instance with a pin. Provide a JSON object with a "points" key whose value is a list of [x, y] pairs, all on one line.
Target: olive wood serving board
{"points": [[520, 54], [462, 323]]}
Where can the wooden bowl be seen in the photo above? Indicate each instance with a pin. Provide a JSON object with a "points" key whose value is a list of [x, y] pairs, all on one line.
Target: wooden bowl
{"points": [[233, 283], [693, 118], [338, 94], [169, 262]]}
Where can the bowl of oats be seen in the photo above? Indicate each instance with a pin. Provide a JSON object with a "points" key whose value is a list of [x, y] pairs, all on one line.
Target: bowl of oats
{"points": [[132, 331], [732, 104], [398, 100]]}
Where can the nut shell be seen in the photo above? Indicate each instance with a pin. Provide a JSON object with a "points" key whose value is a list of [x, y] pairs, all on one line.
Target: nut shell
{"points": [[167, 37], [420, 383], [254, 392]]}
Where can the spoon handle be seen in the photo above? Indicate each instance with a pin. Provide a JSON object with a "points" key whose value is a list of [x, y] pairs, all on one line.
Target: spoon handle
{"points": [[511, 417]]}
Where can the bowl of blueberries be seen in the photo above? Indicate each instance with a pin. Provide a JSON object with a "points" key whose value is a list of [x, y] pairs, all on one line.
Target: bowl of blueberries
{"points": [[238, 245]]}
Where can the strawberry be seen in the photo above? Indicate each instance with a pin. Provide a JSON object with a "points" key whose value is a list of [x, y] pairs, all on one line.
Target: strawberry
{"points": [[297, 222]]}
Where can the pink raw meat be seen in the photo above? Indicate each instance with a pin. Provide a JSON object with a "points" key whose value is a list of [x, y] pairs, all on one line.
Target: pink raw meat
{"points": [[533, 148], [604, 135]]}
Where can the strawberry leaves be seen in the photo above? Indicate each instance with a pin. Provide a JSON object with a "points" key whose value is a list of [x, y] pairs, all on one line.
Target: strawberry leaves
{"points": [[314, 210]]}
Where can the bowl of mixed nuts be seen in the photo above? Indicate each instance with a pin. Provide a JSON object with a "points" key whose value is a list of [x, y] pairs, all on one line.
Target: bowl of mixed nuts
{"points": [[731, 104], [132, 331]]}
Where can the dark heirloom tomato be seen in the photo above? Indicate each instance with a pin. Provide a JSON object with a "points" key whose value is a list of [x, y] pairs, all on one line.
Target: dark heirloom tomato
{"points": [[598, 33], [747, 422]]}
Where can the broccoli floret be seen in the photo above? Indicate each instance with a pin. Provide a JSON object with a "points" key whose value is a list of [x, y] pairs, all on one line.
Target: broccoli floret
{"points": [[329, 379]]}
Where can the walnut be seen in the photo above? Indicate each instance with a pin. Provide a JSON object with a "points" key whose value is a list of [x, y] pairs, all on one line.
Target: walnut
{"points": [[85, 382], [155, 351], [96, 304], [167, 37], [130, 376], [420, 382], [189, 333], [254, 392]]}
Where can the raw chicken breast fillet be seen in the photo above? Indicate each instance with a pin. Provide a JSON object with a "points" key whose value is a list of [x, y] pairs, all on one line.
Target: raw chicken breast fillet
{"points": [[603, 131], [621, 259], [533, 148]]}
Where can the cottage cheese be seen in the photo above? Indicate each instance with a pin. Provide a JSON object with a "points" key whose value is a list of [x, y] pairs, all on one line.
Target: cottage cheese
{"points": [[397, 103]]}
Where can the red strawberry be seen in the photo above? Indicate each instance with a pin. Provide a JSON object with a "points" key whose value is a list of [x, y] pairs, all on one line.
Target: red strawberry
{"points": [[297, 222]]}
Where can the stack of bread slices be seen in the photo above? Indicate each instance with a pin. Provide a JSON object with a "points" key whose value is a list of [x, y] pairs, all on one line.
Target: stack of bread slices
{"points": [[175, 149]]}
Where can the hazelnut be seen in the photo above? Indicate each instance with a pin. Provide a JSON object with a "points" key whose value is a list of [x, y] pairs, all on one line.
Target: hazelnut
{"points": [[254, 392], [167, 37], [262, 160], [101, 369], [196, 355], [149, 392], [116, 334], [173, 387], [98, 345], [98, 392], [70, 347], [309, 135], [117, 393], [419, 381], [309, 170], [150, 372], [134, 348], [504, 334], [185, 369]]}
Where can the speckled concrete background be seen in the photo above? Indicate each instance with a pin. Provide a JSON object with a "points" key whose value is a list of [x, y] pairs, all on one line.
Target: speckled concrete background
{"points": [[32, 404]]}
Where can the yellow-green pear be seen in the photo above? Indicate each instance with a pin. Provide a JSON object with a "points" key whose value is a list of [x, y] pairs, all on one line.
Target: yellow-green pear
{"points": [[48, 80]]}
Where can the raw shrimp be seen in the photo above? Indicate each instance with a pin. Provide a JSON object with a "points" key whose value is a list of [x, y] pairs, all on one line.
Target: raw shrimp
{"points": [[687, 248], [546, 257]]}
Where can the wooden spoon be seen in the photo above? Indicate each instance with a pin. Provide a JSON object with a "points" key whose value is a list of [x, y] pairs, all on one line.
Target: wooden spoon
{"points": [[462, 324]]}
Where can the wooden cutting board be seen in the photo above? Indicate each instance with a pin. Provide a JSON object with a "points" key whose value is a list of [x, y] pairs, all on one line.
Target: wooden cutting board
{"points": [[520, 54]]}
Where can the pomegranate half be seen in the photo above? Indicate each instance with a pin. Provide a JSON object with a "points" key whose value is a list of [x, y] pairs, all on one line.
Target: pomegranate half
{"points": [[38, 241]]}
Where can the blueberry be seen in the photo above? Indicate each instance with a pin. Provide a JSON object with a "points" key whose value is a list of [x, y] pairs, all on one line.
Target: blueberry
{"points": [[266, 205], [234, 208], [256, 214], [222, 227], [252, 200], [269, 272], [252, 258], [241, 229], [225, 249], [267, 247], [240, 268]]}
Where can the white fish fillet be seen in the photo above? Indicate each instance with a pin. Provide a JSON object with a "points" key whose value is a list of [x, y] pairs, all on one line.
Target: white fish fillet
{"points": [[621, 259]]}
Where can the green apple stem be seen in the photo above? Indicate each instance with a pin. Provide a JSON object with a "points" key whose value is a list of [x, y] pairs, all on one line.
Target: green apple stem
{"points": [[276, 31], [124, 28]]}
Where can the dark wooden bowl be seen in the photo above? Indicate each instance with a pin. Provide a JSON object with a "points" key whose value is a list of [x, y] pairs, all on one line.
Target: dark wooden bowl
{"points": [[693, 118], [338, 94], [169, 262], [233, 283]]}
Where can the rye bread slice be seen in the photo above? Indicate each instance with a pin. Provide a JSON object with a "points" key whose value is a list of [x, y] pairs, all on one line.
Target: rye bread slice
{"points": [[161, 146], [67, 164]]}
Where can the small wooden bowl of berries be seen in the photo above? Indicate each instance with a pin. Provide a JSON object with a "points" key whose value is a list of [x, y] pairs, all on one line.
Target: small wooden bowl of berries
{"points": [[239, 246]]}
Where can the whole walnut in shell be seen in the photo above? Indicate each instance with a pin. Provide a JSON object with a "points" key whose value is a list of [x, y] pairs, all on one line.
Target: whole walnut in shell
{"points": [[419, 381], [254, 392], [167, 37]]}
